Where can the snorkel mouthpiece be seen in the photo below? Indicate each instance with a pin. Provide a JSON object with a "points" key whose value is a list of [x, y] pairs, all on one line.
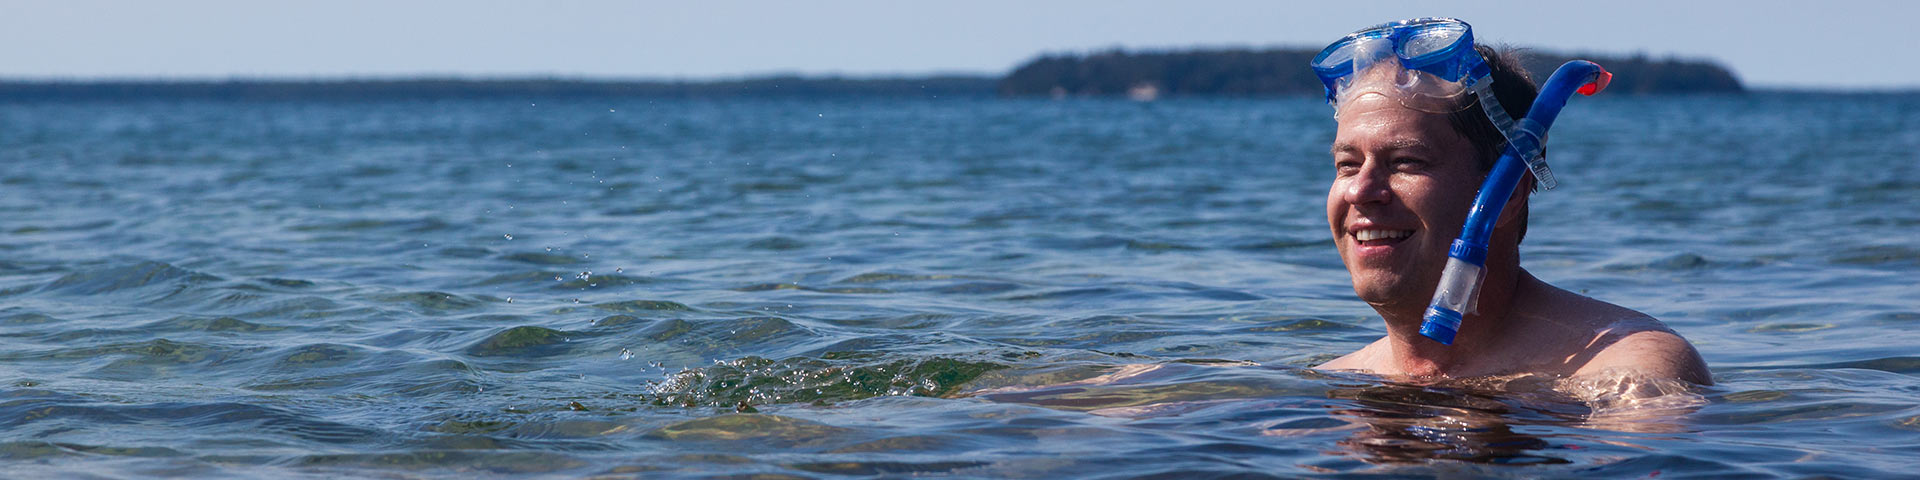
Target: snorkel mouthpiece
{"points": [[1459, 289]]}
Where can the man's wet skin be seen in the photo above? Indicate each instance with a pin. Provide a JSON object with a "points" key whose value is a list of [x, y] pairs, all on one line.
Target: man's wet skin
{"points": [[1403, 180]]}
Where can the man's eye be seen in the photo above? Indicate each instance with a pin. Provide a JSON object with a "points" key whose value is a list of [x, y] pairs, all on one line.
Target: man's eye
{"points": [[1346, 167], [1409, 163]]}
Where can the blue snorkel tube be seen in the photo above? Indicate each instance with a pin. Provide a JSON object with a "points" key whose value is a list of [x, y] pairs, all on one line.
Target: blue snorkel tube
{"points": [[1459, 288]]}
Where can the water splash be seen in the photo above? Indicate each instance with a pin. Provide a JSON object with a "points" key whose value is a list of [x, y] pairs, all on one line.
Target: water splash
{"points": [[837, 378]]}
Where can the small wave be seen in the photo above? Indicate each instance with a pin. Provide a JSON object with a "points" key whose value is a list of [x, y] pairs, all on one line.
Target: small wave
{"points": [[1906, 365], [1301, 325], [767, 287], [337, 367], [1283, 244], [757, 428], [1156, 246], [878, 277], [308, 308], [1675, 262], [752, 187], [557, 280], [412, 225], [882, 468], [1789, 327], [114, 279], [73, 227], [777, 243], [208, 324], [287, 283], [465, 461], [616, 322], [1878, 255], [631, 306], [756, 329], [1067, 294], [234, 420], [28, 318], [428, 300], [320, 355], [35, 449], [978, 288], [542, 258], [522, 341]]}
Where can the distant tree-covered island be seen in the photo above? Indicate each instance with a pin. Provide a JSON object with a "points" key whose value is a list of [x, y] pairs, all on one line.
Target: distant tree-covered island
{"points": [[471, 88], [1140, 74], [1282, 71]]}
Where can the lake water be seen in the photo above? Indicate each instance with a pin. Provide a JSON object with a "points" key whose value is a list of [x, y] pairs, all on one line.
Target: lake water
{"points": [[968, 287]]}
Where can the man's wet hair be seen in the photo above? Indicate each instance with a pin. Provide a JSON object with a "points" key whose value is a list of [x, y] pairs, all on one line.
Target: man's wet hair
{"points": [[1515, 89]]}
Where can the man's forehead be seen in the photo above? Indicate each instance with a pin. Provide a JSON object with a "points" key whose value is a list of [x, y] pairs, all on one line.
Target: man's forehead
{"points": [[1392, 124]]}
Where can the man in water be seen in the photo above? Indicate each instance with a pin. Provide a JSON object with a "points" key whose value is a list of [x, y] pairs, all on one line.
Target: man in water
{"points": [[1403, 179]]}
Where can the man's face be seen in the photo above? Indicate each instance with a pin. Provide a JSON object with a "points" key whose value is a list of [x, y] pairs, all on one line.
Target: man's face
{"points": [[1403, 182]]}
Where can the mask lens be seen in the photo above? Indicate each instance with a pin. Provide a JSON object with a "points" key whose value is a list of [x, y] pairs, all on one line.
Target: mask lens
{"points": [[1336, 55], [1430, 39]]}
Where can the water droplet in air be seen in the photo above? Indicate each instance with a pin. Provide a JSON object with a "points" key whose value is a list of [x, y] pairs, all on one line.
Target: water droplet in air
{"points": [[626, 354], [618, 270], [509, 299], [509, 236], [557, 278]]}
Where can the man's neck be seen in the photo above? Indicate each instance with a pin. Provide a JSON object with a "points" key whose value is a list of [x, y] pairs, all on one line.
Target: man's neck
{"points": [[1480, 332]]}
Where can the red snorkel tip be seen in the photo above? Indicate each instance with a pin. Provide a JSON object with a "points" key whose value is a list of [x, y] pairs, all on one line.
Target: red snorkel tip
{"points": [[1599, 83]]}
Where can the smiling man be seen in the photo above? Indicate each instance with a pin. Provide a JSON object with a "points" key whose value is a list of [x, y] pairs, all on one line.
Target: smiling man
{"points": [[1410, 152]]}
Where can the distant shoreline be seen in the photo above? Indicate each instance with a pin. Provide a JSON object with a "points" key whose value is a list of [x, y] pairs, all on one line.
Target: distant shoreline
{"points": [[1147, 74], [446, 88]]}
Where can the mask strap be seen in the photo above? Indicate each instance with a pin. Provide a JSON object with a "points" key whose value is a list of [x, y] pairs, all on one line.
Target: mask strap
{"points": [[1523, 137]]}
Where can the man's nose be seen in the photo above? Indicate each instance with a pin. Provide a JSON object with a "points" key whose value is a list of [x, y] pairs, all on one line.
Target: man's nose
{"points": [[1369, 186]]}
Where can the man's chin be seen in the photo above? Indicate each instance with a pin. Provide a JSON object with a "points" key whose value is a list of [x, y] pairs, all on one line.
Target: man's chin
{"points": [[1383, 294]]}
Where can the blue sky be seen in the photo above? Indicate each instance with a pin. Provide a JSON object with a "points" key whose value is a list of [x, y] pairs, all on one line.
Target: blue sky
{"points": [[1768, 43]]}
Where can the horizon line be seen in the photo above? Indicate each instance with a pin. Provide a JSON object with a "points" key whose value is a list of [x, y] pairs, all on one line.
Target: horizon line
{"points": [[692, 80]]}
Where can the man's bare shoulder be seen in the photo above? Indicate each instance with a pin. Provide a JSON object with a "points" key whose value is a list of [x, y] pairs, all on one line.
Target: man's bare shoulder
{"points": [[1647, 351], [1618, 339]]}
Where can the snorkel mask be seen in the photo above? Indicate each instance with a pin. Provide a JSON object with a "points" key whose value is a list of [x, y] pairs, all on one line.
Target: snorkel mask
{"points": [[1430, 65], [1427, 64]]}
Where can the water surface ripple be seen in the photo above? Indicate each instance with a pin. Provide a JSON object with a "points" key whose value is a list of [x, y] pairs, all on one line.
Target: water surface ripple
{"points": [[870, 287]]}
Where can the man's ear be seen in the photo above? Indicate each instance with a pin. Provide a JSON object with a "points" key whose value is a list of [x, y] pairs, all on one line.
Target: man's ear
{"points": [[1514, 213]]}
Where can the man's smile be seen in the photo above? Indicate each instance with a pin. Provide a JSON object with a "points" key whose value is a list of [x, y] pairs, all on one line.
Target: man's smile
{"points": [[1371, 237]]}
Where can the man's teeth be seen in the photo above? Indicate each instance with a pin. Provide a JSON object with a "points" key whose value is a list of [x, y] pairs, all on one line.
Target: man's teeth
{"points": [[1371, 235]]}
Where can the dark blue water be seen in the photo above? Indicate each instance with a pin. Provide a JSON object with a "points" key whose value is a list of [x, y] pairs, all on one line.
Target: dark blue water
{"points": [[947, 287]]}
